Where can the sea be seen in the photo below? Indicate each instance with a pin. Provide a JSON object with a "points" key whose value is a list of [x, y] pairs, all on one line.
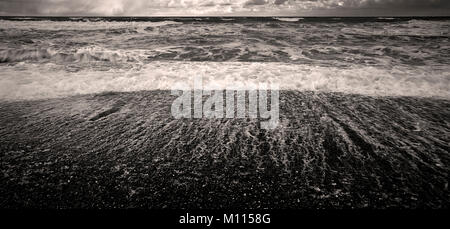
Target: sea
{"points": [[85, 113], [54, 57]]}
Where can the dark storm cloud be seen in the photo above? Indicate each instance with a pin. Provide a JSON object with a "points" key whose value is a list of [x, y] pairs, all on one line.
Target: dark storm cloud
{"points": [[255, 2], [216, 7]]}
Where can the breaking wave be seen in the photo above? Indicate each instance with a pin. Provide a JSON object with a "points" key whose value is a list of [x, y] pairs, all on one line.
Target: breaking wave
{"points": [[288, 19], [50, 80], [81, 55]]}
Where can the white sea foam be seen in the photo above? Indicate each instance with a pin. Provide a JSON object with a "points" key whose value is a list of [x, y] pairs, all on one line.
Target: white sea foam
{"points": [[87, 54], [288, 19], [34, 81]]}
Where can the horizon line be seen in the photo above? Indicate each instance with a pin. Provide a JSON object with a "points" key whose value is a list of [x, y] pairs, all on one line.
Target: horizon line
{"points": [[233, 16]]}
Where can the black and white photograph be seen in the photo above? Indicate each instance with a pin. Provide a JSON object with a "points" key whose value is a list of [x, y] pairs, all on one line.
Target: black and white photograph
{"points": [[251, 106]]}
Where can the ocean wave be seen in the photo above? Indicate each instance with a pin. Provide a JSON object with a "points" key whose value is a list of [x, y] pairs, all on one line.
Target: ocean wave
{"points": [[125, 56], [83, 54], [40, 81], [406, 31], [22, 18], [288, 19], [22, 55]]}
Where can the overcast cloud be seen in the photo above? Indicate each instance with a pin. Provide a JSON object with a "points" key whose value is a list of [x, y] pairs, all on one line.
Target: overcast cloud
{"points": [[226, 7]]}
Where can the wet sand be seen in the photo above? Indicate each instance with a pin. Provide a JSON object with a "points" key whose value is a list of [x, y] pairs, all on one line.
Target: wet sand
{"points": [[124, 150]]}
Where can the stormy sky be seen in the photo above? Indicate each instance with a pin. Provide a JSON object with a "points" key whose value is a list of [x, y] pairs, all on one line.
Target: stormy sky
{"points": [[225, 7]]}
